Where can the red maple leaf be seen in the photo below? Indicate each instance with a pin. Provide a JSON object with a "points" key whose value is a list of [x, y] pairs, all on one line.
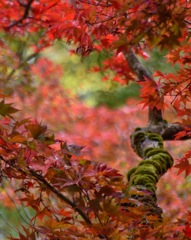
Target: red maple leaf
{"points": [[184, 166], [187, 230]]}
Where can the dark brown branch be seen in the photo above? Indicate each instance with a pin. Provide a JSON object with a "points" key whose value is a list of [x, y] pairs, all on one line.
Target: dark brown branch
{"points": [[168, 131], [155, 116], [172, 129], [156, 123], [136, 66], [25, 15]]}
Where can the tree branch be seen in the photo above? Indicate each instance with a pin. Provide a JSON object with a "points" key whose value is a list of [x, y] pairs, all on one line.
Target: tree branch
{"points": [[42, 180], [60, 195], [30, 57], [136, 66], [156, 122], [171, 129], [155, 115], [25, 14], [156, 162], [167, 131]]}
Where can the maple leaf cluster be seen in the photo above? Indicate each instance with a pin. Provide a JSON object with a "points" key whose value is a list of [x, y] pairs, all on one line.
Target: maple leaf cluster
{"points": [[101, 143], [62, 188]]}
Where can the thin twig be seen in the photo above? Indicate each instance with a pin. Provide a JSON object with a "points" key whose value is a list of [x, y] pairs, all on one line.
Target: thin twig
{"points": [[33, 55], [25, 15], [41, 179], [61, 196]]}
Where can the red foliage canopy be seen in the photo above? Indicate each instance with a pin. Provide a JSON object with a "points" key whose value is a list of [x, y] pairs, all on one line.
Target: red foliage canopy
{"points": [[73, 197]]}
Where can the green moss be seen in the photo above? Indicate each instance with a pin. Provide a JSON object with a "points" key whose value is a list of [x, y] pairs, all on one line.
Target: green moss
{"points": [[147, 150], [140, 136], [165, 159], [162, 161], [156, 137], [142, 180], [151, 187], [157, 165], [146, 182], [130, 172], [138, 129], [137, 139], [154, 151], [147, 169], [168, 158]]}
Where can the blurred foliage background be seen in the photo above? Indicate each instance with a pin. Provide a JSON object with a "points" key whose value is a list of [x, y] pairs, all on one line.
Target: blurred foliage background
{"points": [[80, 107]]}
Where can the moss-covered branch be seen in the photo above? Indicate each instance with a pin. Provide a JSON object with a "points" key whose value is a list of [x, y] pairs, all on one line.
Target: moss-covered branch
{"points": [[156, 161]]}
